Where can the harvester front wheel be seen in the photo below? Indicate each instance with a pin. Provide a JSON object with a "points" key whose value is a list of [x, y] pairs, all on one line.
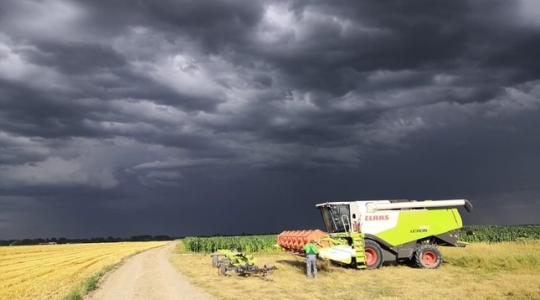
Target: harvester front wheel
{"points": [[373, 254], [428, 256]]}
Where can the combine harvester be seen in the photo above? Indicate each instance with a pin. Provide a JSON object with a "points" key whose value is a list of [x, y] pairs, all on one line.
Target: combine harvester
{"points": [[366, 234]]}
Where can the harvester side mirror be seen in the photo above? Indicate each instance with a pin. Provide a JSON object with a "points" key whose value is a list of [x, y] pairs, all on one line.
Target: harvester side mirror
{"points": [[468, 206]]}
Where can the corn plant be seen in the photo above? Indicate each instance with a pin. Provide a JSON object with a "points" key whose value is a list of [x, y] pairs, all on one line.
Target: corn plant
{"points": [[253, 243], [499, 233]]}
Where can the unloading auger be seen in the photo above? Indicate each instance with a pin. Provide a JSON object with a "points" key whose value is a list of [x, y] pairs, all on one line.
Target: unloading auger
{"points": [[368, 233]]}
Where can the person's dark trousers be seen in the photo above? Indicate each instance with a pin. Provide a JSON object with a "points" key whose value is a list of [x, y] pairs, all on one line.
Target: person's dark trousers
{"points": [[311, 265]]}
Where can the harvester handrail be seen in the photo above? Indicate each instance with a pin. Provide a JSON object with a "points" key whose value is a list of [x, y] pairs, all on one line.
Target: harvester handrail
{"points": [[421, 204], [346, 222]]}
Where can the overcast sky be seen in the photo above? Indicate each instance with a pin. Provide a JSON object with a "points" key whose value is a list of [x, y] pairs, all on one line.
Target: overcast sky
{"points": [[201, 117]]}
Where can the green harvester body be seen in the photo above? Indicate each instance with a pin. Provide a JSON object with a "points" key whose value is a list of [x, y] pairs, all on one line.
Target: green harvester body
{"points": [[368, 233]]}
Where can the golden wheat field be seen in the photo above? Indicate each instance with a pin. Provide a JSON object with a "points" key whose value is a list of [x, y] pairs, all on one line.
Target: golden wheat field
{"points": [[508, 270], [54, 271]]}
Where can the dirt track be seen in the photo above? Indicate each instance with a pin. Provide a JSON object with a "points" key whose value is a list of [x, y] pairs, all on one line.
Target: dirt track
{"points": [[148, 275]]}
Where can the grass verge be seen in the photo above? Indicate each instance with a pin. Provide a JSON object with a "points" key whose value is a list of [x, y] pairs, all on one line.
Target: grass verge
{"points": [[89, 284]]}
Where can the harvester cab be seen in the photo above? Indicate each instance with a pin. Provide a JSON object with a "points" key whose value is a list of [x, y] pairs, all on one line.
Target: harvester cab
{"points": [[368, 233]]}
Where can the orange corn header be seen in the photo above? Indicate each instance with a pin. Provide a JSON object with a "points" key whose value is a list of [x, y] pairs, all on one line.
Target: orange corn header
{"points": [[296, 239]]}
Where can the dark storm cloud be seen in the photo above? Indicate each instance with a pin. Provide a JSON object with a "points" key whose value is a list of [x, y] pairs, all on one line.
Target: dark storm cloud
{"points": [[122, 117]]}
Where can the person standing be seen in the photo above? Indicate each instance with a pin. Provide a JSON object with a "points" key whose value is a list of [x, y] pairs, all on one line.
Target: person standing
{"points": [[311, 259]]}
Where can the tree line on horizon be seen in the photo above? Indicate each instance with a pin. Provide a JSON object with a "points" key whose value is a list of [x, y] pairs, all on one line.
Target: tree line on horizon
{"points": [[64, 240]]}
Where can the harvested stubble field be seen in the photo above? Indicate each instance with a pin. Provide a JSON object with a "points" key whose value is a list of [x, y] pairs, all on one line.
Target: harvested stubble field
{"points": [[479, 271], [59, 271]]}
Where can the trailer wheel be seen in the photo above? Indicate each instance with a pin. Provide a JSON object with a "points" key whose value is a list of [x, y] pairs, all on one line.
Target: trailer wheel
{"points": [[222, 266], [427, 256], [373, 254]]}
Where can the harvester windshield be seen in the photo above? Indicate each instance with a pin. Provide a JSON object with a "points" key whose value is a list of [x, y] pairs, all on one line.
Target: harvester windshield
{"points": [[336, 217]]}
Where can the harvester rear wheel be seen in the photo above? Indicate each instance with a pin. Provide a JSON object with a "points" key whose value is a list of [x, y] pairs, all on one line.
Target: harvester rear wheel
{"points": [[373, 253], [428, 256]]}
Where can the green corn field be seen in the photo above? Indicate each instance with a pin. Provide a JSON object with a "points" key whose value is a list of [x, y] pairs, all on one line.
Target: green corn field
{"points": [[499, 233], [252, 243], [266, 243]]}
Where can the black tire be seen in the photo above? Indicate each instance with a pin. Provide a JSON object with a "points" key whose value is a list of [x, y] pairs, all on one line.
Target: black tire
{"points": [[222, 270], [373, 254], [427, 256], [222, 266]]}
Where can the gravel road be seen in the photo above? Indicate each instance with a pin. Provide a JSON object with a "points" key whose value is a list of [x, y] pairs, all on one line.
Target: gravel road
{"points": [[148, 275]]}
